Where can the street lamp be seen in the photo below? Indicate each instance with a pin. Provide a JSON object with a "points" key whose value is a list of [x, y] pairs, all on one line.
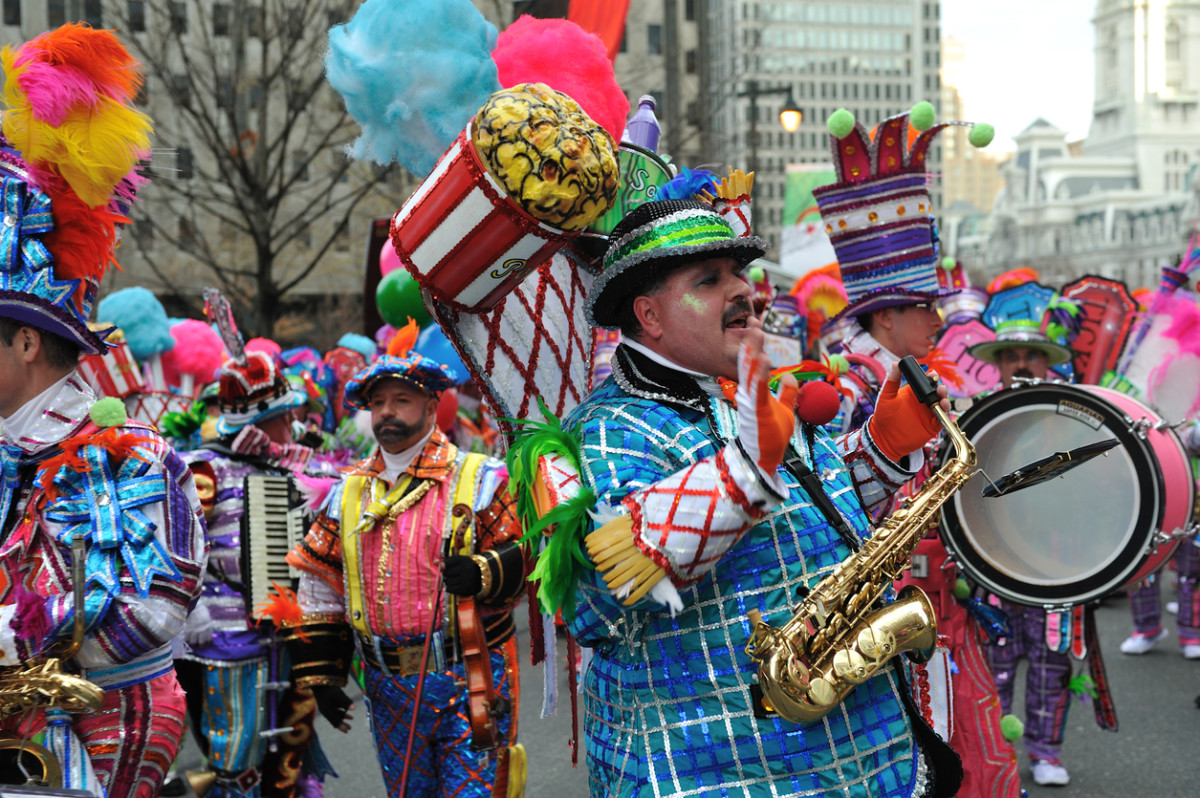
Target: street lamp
{"points": [[789, 116]]}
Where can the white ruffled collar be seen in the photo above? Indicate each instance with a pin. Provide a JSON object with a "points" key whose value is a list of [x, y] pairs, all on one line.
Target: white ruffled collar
{"points": [[50, 417]]}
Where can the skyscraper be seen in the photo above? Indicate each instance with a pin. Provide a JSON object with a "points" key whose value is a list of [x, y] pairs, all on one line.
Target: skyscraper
{"points": [[873, 57]]}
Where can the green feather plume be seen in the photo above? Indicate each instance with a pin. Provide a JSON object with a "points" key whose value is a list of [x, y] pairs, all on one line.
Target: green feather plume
{"points": [[180, 426], [559, 562], [1082, 686]]}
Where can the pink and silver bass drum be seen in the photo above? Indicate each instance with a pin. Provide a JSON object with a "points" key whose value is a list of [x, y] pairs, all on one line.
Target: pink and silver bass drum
{"points": [[1097, 527]]}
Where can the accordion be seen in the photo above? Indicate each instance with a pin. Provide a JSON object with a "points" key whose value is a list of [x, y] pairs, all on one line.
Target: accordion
{"points": [[272, 525]]}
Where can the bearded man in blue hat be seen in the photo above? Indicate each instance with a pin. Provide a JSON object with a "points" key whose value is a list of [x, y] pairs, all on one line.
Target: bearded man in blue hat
{"points": [[723, 505], [413, 547]]}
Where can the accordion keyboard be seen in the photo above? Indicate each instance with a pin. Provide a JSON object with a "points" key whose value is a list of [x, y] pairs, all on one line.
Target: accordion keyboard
{"points": [[272, 526]]}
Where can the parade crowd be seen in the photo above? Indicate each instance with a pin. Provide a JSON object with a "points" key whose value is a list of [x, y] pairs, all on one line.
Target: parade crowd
{"points": [[758, 532]]}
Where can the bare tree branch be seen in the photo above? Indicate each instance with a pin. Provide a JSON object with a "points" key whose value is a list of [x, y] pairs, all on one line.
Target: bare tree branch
{"points": [[262, 191]]}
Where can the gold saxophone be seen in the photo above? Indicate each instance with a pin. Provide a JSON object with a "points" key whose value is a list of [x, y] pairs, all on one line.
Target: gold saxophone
{"points": [[839, 638], [44, 683]]}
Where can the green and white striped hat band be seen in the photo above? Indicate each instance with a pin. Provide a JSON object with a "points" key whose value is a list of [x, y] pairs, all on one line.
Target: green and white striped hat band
{"points": [[656, 237]]}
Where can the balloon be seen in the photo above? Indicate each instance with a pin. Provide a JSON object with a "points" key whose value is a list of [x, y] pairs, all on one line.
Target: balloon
{"points": [[433, 344], [389, 261], [447, 410], [398, 297]]}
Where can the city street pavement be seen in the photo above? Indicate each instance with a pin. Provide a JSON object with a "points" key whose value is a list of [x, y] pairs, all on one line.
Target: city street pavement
{"points": [[1155, 753]]}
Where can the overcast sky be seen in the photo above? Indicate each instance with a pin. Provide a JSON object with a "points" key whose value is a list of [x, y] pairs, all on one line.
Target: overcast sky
{"points": [[1025, 59]]}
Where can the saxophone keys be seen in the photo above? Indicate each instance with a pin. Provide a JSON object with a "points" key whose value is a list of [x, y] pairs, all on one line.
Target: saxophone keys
{"points": [[850, 666], [821, 693]]}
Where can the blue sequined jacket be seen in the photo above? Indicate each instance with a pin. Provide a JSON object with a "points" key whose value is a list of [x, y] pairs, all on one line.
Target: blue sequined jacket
{"points": [[668, 707]]}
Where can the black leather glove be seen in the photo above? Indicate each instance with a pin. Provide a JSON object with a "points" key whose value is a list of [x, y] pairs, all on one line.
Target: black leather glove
{"points": [[332, 703], [462, 575]]}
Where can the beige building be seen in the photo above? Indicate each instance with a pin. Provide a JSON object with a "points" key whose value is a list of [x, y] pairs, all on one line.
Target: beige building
{"points": [[969, 174], [1122, 202]]}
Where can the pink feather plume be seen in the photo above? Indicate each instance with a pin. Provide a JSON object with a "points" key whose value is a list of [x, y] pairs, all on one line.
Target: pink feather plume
{"points": [[198, 351], [1185, 323], [314, 490], [566, 58]]}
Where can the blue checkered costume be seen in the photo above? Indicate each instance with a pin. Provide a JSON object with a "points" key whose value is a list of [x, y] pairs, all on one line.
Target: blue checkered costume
{"points": [[668, 707]]}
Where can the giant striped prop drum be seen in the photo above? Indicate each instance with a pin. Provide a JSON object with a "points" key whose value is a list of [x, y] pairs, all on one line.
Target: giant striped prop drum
{"points": [[464, 239]]}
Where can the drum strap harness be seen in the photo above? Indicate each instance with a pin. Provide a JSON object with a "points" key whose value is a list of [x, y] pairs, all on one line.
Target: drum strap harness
{"points": [[811, 483]]}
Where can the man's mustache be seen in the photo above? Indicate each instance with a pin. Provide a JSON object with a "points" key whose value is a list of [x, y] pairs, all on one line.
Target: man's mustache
{"points": [[1024, 374], [740, 307]]}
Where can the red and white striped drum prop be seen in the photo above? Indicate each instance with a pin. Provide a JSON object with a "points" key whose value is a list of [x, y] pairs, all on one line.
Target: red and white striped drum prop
{"points": [[463, 238], [1107, 523], [149, 407], [114, 373]]}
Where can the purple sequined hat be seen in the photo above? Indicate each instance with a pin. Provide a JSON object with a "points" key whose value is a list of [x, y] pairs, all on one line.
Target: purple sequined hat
{"points": [[878, 214]]}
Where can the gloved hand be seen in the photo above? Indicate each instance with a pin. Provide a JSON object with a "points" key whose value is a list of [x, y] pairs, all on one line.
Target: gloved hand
{"points": [[462, 575], [901, 424], [765, 424], [198, 629], [334, 705], [251, 441]]}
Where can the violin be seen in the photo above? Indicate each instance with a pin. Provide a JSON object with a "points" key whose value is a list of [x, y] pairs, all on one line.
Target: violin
{"points": [[484, 704]]}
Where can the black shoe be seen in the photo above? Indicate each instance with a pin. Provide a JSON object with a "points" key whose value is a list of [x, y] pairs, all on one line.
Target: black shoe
{"points": [[174, 787]]}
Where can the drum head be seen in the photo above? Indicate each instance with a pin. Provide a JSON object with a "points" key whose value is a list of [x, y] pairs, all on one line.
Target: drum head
{"points": [[1070, 539]]}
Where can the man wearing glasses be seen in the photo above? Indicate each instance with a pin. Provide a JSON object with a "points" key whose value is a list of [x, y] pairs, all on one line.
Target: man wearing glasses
{"points": [[1023, 350]]}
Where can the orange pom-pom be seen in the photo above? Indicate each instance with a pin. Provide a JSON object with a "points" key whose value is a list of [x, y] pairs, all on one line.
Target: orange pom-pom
{"points": [[282, 608]]}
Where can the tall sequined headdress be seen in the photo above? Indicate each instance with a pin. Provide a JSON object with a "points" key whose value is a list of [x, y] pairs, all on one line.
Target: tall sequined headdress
{"points": [[878, 214], [72, 144]]}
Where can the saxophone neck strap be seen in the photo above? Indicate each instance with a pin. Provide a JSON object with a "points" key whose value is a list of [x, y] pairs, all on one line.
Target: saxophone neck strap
{"points": [[813, 486]]}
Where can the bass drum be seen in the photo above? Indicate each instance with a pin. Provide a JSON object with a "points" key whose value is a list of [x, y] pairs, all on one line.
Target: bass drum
{"points": [[1080, 536]]}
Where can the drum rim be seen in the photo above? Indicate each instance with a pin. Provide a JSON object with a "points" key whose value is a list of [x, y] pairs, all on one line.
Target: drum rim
{"points": [[1121, 567]]}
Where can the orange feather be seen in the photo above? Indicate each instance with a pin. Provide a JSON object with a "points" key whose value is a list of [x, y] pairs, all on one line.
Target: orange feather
{"points": [[404, 339]]}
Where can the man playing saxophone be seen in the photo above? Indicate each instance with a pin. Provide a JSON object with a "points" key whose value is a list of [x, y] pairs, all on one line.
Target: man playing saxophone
{"points": [[721, 509]]}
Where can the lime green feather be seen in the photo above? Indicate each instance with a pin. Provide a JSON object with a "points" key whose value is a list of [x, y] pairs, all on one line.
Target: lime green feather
{"points": [[557, 565], [1082, 685]]}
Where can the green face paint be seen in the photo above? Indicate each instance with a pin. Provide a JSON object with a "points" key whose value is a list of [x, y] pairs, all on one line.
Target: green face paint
{"points": [[692, 303]]}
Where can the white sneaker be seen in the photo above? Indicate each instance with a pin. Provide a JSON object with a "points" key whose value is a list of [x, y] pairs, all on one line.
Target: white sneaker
{"points": [[1190, 650], [1140, 644], [1050, 774], [1173, 607]]}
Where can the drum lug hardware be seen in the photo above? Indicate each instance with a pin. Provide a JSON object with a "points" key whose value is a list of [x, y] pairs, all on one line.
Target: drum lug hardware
{"points": [[1140, 427]]}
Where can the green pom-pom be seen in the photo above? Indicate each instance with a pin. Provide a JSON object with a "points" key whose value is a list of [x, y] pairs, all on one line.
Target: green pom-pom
{"points": [[962, 590], [756, 274], [1011, 728], [838, 364], [948, 263], [840, 123], [108, 412], [922, 115], [981, 135]]}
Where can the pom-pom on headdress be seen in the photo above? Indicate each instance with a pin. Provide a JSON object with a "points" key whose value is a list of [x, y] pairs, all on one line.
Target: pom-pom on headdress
{"points": [[72, 145], [252, 388], [878, 214]]}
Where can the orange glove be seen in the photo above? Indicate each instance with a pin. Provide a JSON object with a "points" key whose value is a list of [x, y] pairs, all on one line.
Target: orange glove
{"points": [[765, 424], [901, 424]]}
